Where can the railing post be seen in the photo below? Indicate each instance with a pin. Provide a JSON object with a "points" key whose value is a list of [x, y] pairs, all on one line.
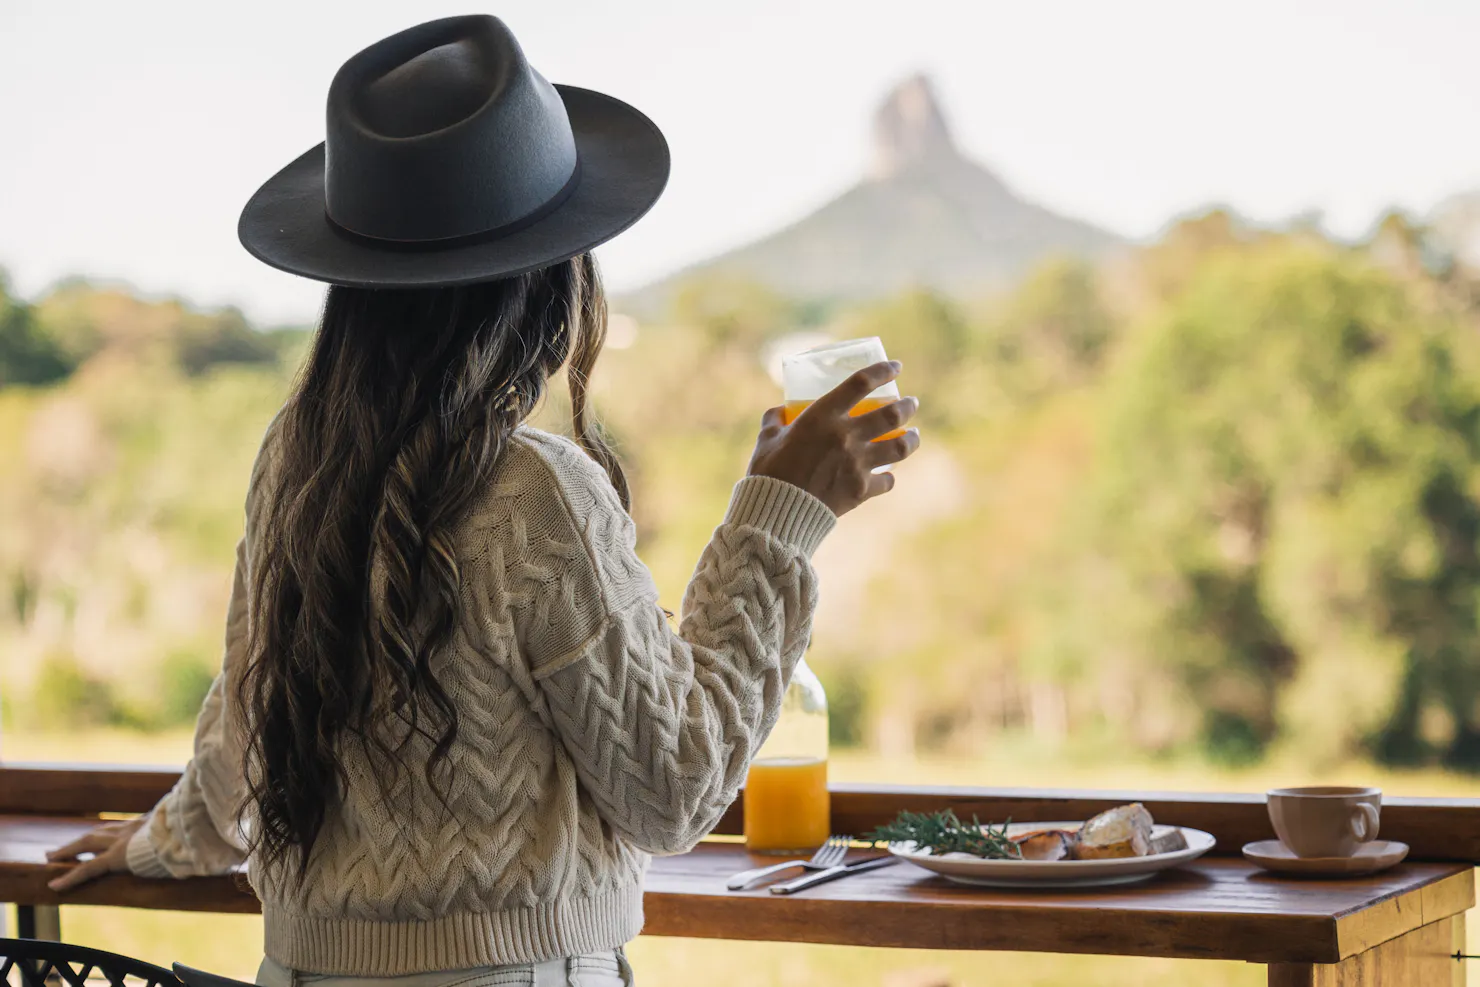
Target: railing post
{"points": [[39, 922]]}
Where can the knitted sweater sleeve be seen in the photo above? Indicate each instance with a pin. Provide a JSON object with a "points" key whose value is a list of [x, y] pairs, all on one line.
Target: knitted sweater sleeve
{"points": [[662, 724]]}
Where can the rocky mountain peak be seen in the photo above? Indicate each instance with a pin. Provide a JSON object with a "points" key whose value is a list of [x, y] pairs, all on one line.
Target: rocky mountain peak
{"points": [[909, 130], [925, 215]]}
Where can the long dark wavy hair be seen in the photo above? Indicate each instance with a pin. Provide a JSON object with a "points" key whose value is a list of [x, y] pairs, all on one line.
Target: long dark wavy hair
{"points": [[396, 425]]}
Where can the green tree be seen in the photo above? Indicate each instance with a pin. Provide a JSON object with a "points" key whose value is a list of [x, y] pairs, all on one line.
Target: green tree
{"points": [[1054, 332], [204, 342], [929, 334], [185, 676], [922, 329], [27, 354], [731, 312], [1287, 486]]}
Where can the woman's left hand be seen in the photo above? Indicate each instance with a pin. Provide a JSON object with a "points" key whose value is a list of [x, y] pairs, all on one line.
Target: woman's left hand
{"points": [[109, 846]]}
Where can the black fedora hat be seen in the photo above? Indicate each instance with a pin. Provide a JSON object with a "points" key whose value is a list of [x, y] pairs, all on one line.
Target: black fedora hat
{"points": [[449, 160]]}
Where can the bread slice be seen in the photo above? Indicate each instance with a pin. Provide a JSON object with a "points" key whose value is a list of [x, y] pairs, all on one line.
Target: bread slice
{"points": [[1133, 847], [1124, 831], [1169, 840]]}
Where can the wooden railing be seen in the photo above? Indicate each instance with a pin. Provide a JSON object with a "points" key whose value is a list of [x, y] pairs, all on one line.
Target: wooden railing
{"points": [[1436, 829], [1401, 928]]}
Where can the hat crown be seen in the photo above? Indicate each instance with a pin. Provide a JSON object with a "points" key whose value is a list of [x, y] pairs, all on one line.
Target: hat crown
{"points": [[434, 90], [442, 132]]}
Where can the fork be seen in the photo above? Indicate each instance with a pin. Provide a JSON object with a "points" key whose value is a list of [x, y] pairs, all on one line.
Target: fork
{"points": [[830, 854]]}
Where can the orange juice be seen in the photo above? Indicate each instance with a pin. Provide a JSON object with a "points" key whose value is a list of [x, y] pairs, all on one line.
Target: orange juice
{"points": [[786, 805], [792, 409]]}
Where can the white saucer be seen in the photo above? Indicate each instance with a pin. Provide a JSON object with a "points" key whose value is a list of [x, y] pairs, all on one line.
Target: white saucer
{"points": [[1370, 858]]}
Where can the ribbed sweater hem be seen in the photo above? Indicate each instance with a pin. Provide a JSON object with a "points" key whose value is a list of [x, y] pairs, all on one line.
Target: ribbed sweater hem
{"points": [[368, 948]]}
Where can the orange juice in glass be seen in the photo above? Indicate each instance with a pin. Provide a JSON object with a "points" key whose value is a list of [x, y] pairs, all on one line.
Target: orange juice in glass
{"points": [[786, 802], [808, 375]]}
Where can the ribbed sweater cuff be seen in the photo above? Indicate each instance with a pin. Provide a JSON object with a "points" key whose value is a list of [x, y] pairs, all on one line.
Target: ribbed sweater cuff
{"points": [[143, 859], [790, 514]]}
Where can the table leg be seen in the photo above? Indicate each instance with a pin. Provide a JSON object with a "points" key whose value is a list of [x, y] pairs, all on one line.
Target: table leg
{"points": [[39, 922], [1421, 958]]}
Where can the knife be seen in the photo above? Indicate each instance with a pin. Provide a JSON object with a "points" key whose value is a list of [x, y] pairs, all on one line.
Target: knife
{"points": [[832, 873]]}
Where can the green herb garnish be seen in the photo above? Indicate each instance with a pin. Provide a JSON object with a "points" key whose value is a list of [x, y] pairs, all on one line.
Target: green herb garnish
{"points": [[942, 832]]}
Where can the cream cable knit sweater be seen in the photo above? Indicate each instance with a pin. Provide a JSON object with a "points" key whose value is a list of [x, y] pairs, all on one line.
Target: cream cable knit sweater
{"points": [[592, 733]]}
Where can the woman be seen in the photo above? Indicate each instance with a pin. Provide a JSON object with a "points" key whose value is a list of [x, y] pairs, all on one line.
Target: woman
{"points": [[453, 721]]}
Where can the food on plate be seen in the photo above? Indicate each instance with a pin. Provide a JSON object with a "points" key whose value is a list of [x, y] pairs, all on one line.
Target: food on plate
{"points": [[1047, 844], [942, 833], [1124, 831], [1169, 840]]}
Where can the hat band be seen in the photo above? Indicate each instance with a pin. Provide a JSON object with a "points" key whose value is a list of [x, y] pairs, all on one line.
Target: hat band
{"points": [[466, 239]]}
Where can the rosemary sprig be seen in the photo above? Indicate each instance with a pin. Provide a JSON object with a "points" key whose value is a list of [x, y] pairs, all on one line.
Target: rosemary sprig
{"points": [[942, 832]]}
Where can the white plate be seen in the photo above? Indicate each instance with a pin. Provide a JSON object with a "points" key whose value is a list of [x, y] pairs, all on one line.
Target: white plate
{"points": [[968, 869]]}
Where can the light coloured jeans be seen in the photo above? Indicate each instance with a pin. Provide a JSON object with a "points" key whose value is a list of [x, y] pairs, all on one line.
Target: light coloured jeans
{"points": [[589, 970]]}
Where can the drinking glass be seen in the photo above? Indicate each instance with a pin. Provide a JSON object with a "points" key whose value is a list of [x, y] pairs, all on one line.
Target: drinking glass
{"points": [[808, 375]]}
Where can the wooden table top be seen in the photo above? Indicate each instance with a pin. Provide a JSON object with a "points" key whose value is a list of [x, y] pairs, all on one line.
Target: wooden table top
{"points": [[1213, 909]]}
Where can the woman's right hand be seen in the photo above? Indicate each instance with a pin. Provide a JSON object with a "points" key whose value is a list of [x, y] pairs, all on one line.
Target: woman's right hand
{"points": [[108, 845], [831, 455]]}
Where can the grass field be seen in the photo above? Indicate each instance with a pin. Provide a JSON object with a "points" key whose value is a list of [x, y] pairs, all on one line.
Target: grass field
{"points": [[232, 944]]}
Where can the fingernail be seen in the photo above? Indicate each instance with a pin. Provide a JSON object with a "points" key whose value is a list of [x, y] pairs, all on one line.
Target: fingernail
{"points": [[53, 885], [896, 365]]}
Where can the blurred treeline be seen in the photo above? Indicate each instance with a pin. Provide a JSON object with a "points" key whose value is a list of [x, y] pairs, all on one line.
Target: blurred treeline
{"points": [[1218, 495]]}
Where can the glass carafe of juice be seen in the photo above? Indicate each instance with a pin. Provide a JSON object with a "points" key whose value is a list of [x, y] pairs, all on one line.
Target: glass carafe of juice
{"points": [[786, 804]]}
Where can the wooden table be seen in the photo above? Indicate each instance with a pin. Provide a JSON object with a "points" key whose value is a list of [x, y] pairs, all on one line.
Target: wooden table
{"points": [[1398, 928]]}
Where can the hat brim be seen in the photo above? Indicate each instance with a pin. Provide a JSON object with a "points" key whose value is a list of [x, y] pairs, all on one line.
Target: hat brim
{"points": [[624, 166]]}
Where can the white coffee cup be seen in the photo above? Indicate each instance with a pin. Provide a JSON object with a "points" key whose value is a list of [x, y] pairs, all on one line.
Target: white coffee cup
{"points": [[1325, 821]]}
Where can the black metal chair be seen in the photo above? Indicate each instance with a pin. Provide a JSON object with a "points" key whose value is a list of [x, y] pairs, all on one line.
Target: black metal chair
{"points": [[42, 963]]}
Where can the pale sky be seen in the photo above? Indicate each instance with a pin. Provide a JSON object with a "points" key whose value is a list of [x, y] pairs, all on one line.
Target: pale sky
{"points": [[132, 131]]}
